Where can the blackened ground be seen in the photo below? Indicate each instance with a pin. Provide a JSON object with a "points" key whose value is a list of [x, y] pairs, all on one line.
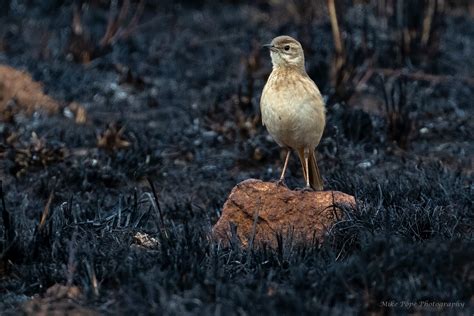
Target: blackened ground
{"points": [[185, 86]]}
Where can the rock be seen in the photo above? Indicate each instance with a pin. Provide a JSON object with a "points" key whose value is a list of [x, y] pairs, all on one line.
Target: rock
{"points": [[146, 241], [301, 215]]}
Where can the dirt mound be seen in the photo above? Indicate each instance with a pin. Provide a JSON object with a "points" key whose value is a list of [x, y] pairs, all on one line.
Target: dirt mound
{"points": [[20, 93], [58, 300]]}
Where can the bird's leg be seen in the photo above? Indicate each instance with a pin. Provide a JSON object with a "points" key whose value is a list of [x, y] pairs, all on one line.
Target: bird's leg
{"points": [[285, 165], [288, 152], [306, 162]]}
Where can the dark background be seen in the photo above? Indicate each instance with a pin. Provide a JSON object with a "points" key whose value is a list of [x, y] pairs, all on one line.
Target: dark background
{"points": [[170, 93]]}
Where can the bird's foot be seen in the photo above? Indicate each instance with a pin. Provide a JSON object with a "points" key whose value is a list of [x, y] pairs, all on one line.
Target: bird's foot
{"points": [[280, 182], [306, 188]]}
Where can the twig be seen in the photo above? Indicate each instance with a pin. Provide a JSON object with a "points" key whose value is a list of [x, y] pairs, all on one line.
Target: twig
{"points": [[92, 277], [46, 209], [150, 22], [9, 233], [76, 21], [428, 22], [222, 38], [336, 33], [418, 75], [115, 25], [132, 26], [156, 202], [254, 229], [111, 24], [71, 264]]}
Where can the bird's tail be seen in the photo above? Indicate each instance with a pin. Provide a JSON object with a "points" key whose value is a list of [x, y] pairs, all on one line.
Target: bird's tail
{"points": [[315, 180]]}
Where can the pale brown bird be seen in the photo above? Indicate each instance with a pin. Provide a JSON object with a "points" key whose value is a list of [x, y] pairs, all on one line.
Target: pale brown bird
{"points": [[292, 107]]}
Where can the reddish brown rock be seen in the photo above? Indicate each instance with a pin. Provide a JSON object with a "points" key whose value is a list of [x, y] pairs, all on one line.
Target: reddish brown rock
{"points": [[271, 210]]}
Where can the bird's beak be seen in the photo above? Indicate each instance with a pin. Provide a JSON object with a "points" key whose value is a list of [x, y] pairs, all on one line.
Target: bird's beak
{"points": [[271, 47]]}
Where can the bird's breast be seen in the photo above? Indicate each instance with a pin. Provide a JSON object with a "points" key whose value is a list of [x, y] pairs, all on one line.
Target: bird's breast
{"points": [[292, 110]]}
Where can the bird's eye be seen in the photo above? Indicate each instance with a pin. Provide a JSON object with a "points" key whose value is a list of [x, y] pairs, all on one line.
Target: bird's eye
{"points": [[287, 47]]}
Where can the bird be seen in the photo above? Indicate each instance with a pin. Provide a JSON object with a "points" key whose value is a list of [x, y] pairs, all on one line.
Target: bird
{"points": [[293, 109]]}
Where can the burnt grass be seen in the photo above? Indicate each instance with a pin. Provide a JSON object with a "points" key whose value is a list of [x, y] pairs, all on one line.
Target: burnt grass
{"points": [[179, 95]]}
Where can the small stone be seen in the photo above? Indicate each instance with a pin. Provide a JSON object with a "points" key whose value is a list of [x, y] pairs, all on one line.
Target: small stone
{"points": [[365, 164], [303, 215], [145, 240], [424, 130]]}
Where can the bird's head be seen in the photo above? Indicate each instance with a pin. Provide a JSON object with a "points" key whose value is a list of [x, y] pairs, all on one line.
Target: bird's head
{"points": [[286, 51]]}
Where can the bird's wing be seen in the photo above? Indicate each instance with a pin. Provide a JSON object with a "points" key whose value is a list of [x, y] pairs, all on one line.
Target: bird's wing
{"points": [[263, 104], [315, 98]]}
